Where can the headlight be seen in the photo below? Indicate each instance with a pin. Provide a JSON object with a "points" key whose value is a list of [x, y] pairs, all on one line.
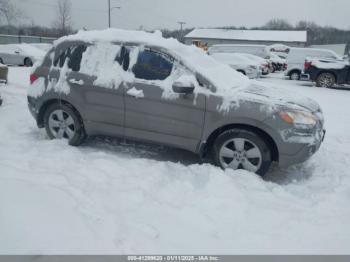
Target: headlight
{"points": [[300, 119]]}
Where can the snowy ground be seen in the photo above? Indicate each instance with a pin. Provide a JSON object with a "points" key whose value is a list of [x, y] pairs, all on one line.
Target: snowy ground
{"points": [[109, 198]]}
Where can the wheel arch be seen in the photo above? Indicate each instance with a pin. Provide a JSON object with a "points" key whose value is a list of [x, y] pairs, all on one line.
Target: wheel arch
{"points": [[294, 70], [27, 58], [50, 102], [258, 131], [329, 72], [241, 71]]}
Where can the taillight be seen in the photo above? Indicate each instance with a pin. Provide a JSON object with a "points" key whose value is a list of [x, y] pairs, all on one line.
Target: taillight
{"points": [[307, 65], [285, 67], [32, 78]]}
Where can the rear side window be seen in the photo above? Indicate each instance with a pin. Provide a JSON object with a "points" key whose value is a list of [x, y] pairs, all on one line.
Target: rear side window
{"points": [[152, 65], [123, 58], [73, 55]]}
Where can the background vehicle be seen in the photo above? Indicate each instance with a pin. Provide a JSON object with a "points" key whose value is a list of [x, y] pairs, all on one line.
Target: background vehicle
{"points": [[278, 63], [296, 59], [257, 50], [170, 94], [20, 54], [264, 63], [240, 63], [327, 72]]}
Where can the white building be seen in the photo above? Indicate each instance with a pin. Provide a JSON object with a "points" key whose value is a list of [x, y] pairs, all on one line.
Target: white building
{"points": [[263, 37]]}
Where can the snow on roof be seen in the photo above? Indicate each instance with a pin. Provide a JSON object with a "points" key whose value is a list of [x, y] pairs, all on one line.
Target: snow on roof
{"points": [[224, 78], [257, 35]]}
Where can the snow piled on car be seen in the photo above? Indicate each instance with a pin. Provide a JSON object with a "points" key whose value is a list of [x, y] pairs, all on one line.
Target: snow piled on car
{"points": [[226, 81]]}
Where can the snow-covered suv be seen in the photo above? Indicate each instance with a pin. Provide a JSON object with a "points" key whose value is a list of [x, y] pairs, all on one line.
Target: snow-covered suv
{"points": [[140, 86], [327, 72]]}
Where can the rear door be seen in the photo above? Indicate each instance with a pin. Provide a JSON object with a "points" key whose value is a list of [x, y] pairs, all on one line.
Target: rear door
{"points": [[153, 112], [100, 104]]}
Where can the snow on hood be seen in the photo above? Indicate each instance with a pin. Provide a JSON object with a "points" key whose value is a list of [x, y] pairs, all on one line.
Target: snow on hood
{"points": [[324, 63], [276, 97], [32, 51], [220, 75]]}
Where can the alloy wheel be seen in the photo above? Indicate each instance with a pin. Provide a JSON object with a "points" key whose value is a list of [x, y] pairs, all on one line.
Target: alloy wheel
{"points": [[240, 153], [61, 124], [326, 80]]}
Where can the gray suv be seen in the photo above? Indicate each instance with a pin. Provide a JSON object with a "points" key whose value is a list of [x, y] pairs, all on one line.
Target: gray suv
{"points": [[160, 91]]}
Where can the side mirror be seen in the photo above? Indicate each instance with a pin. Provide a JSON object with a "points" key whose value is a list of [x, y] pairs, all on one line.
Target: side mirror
{"points": [[17, 52], [183, 88]]}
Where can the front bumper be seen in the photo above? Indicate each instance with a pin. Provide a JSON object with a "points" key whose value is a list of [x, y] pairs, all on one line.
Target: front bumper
{"points": [[304, 153]]}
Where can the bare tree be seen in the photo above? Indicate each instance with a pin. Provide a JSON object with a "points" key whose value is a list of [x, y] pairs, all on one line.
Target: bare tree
{"points": [[8, 11], [63, 20], [278, 24]]}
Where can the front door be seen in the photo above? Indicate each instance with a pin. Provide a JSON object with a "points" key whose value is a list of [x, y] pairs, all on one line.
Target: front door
{"points": [[153, 112]]}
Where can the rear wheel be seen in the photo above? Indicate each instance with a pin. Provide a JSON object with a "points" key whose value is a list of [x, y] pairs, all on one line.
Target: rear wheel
{"points": [[242, 149], [294, 75], [273, 68], [28, 62], [62, 122], [325, 80]]}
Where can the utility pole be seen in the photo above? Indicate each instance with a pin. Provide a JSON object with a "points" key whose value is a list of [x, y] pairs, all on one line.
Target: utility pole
{"points": [[109, 12], [181, 29]]}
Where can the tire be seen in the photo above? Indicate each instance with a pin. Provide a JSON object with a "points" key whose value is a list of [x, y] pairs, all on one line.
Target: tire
{"points": [[62, 121], [273, 68], [28, 62], [325, 80], [233, 147], [294, 75]]}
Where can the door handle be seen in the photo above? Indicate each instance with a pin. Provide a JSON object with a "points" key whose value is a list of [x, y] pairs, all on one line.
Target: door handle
{"points": [[76, 82]]}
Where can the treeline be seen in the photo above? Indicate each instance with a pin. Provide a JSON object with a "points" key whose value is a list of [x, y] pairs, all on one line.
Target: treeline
{"points": [[32, 30]]}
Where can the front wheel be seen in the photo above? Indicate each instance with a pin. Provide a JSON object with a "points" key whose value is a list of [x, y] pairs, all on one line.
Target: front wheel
{"points": [[325, 80], [242, 149], [62, 122]]}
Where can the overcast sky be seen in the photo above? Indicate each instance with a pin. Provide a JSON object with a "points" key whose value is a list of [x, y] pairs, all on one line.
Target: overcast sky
{"points": [[155, 14]]}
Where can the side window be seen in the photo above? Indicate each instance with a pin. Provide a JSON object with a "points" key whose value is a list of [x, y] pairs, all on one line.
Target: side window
{"points": [[61, 59], [152, 65], [74, 55], [123, 58]]}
